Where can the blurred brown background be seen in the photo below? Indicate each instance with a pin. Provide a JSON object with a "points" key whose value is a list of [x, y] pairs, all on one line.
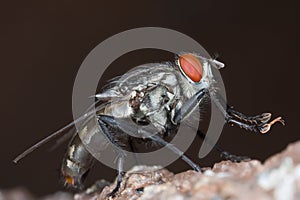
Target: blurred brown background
{"points": [[43, 43]]}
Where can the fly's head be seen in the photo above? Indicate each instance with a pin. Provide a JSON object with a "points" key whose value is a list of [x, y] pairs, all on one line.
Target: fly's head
{"points": [[197, 70]]}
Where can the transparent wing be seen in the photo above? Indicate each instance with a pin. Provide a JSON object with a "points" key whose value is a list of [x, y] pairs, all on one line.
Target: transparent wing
{"points": [[59, 133]]}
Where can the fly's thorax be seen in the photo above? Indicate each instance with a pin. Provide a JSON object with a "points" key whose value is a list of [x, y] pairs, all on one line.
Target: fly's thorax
{"points": [[119, 108], [156, 99], [145, 76], [147, 93], [156, 105]]}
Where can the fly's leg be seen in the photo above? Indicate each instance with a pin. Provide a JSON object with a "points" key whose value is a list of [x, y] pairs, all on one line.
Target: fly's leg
{"points": [[189, 106], [225, 154], [177, 151], [180, 115], [105, 122], [259, 123], [104, 119], [134, 150], [120, 175], [234, 158]]}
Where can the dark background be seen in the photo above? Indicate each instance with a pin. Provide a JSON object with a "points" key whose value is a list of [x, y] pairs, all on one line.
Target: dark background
{"points": [[43, 44]]}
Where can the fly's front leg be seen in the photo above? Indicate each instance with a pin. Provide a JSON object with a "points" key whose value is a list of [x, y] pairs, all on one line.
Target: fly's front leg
{"points": [[189, 106], [259, 123]]}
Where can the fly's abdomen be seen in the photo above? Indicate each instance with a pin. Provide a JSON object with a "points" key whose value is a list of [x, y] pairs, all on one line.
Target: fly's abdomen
{"points": [[76, 164]]}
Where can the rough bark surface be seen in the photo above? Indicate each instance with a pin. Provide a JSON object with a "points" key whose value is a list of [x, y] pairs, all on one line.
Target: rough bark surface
{"points": [[278, 178]]}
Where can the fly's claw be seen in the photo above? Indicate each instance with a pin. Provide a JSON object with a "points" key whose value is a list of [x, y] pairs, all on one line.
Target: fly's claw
{"points": [[267, 126], [265, 117]]}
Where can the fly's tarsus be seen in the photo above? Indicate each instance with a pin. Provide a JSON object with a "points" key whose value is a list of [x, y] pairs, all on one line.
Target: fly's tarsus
{"points": [[259, 123]]}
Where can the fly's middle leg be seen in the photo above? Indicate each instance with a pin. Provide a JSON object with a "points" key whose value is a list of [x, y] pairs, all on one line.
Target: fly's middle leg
{"points": [[177, 151], [106, 121], [224, 154]]}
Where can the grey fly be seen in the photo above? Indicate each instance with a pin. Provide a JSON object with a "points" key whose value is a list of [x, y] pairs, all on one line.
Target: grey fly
{"points": [[161, 95]]}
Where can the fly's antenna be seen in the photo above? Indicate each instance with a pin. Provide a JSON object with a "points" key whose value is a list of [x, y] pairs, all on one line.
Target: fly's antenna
{"points": [[217, 64], [214, 59]]}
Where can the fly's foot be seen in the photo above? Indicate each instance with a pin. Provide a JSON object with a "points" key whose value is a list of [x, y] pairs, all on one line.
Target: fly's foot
{"points": [[257, 119], [264, 128], [259, 123], [114, 192], [263, 118], [234, 158]]}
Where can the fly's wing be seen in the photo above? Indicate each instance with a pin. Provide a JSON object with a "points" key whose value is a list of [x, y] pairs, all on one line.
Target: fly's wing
{"points": [[59, 133], [93, 138], [63, 138]]}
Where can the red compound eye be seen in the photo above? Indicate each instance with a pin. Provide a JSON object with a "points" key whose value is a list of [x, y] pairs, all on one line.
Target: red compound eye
{"points": [[191, 66]]}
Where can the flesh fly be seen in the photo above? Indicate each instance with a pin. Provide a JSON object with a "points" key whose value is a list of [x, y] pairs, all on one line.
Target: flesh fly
{"points": [[161, 95]]}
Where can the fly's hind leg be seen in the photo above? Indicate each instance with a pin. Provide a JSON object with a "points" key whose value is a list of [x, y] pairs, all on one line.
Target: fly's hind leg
{"points": [[107, 122], [120, 175]]}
